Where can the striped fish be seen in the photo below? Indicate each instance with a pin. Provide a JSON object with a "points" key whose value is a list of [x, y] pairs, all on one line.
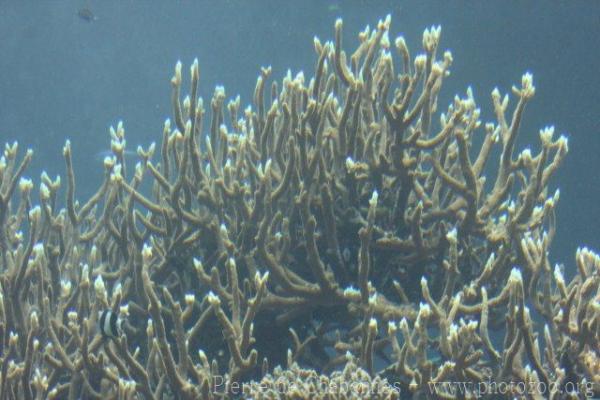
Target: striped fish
{"points": [[109, 324]]}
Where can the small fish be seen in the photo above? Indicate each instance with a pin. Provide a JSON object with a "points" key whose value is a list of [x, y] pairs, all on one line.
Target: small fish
{"points": [[86, 14], [110, 324], [346, 254]]}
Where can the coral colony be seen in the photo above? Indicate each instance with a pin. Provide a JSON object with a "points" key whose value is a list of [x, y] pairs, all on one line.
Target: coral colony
{"points": [[341, 238]]}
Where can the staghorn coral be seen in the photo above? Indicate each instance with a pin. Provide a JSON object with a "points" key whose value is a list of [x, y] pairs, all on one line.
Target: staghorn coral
{"points": [[330, 208], [296, 383]]}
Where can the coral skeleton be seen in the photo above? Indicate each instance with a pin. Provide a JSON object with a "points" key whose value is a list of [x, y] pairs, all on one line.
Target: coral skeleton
{"points": [[342, 237]]}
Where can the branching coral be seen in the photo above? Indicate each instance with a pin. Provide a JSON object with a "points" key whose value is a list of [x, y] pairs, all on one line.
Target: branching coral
{"points": [[331, 207]]}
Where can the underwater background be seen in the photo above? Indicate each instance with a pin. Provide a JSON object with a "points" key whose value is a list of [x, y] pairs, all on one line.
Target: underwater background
{"points": [[64, 76], [69, 70]]}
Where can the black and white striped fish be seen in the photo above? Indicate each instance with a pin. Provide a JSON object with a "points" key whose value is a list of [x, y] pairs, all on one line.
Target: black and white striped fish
{"points": [[109, 324]]}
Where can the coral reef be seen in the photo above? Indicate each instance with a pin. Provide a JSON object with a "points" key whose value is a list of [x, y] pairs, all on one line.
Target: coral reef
{"points": [[341, 228], [297, 383]]}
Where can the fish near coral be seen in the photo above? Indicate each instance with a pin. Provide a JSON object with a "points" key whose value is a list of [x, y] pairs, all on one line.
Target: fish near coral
{"points": [[110, 324]]}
